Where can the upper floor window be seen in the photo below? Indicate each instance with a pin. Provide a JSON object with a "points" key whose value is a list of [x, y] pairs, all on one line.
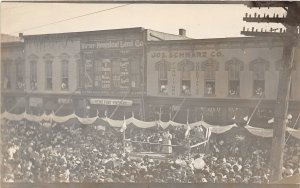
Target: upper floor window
{"points": [[259, 67], [48, 71], [33, 75], [7, 74], [186, 67], [49, 75], [163, 67], [234, 67], [20, 74], [210, 67], [65, 74]]}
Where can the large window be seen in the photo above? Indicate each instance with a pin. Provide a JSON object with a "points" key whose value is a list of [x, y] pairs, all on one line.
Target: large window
{"points": [[65, 75], [33, 75], [6, 74], [186, 82], [186, 67], [162, 67], [48, 71], [210, 67], [234, 67], [20, 75], [259, 67]]}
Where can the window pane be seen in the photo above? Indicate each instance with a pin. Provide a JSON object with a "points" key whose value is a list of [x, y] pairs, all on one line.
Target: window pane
{"points": [[186, 75], [49, 75], [209, 87], [234, 88], [163, 86], [65, 75], [234, 71], [163, 71], [186, 87], [33, 75]]}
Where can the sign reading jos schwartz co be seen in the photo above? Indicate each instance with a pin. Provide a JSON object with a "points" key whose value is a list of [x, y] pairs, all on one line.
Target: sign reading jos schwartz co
{"points": [[111, 102]]}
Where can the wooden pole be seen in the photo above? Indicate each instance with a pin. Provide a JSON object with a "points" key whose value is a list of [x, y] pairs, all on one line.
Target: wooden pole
{"points": [[279, 130]]}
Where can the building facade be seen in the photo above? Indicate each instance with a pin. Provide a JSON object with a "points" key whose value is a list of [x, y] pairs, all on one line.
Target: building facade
{"points": [[215, 79], [83, 72], [12, 73]]}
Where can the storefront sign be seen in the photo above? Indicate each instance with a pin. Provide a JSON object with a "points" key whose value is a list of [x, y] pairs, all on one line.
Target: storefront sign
{"points": [[112, 44], [35, 101], [187, 54], [111, 102], [64, 100]]}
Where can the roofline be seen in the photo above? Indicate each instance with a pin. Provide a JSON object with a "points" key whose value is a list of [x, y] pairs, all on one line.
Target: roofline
{"points": [[11, 44], [214, 40], [76, 34], [187, 38]]}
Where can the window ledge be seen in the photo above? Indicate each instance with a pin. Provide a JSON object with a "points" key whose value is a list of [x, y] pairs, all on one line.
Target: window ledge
{"points": [[209, 95]]}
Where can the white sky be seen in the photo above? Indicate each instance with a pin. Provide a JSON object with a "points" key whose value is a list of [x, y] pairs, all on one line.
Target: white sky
{"points": [[200, 21]]}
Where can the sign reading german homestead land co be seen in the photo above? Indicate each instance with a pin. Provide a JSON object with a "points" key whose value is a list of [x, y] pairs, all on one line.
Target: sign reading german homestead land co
{"points": [[110, 44]]}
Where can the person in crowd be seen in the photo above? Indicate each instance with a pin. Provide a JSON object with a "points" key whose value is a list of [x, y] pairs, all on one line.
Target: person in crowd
{"points": [[72, 152]]}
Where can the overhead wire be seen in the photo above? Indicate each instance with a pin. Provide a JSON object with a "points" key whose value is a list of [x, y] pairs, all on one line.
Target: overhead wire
{"points": [[72, 18]]}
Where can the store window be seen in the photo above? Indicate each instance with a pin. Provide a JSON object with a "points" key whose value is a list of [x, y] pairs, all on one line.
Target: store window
{"points": [[163, 67], [48, 71], [33, 75], [210, 67], [234, 67], [259, 67], [65, 75]]}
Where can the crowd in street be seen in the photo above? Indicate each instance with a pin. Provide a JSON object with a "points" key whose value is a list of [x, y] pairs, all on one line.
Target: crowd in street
{"points": [[90, 153]]}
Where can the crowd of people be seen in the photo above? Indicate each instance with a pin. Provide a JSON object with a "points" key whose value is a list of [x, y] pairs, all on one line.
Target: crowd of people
{"points": [[93, 153]]}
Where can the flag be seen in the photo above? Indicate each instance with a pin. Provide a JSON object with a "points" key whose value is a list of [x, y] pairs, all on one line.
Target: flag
{"points": [[207, 134], [124, 126], [187, 132]]}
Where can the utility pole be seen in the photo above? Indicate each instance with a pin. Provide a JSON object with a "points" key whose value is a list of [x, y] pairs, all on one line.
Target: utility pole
{"points": [[289, 35]]}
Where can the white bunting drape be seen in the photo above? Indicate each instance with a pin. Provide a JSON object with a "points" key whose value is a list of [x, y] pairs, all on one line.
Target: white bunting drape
{"points": [[217, 129]]}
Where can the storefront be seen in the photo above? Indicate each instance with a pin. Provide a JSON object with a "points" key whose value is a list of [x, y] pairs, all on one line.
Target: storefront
{"points": [[219, 80], [112, 72]]}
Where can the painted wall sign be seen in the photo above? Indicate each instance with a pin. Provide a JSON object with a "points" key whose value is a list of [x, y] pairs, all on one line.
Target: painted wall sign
{"points": [[112, 44], [64, 100], [187, 54], [110, 102]]}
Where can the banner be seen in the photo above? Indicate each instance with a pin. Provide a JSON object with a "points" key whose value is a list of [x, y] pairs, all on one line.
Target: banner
{"points": [[111, 102]]}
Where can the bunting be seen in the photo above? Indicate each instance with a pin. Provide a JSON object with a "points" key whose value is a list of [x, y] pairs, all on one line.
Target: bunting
{"points": [[216, 129]]}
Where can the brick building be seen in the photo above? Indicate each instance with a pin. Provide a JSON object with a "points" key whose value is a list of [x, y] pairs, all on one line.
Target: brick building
{"points": [[216, 78], [86, 72]]}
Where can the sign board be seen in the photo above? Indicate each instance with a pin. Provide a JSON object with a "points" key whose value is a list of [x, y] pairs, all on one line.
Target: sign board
{"points": [[35, 101], [112, 44], [111, 102], [64, 100]]}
